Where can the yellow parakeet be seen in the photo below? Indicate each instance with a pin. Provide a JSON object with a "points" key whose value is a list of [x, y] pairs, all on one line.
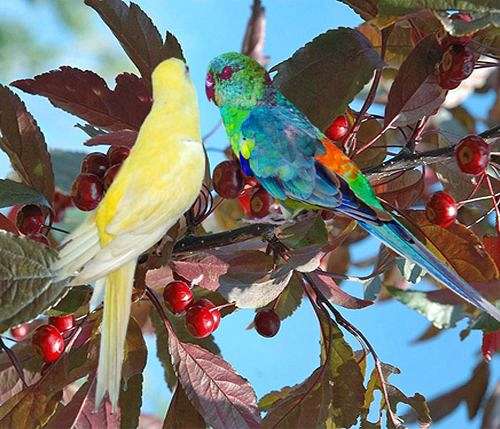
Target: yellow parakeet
{"points": [[156, 184]]}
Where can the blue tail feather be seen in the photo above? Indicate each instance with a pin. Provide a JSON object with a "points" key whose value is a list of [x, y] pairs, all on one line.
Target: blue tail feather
{"points": [[390, 233]]}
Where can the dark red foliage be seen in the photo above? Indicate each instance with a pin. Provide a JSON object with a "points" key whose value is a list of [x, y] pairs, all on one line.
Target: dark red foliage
{"points": [[117, 154], [30, 219], [95, 163], [20, 331], [338, 128], [260, 203], [48, 342], [267, 323], [86, 94], [228, 179], [63, 323], [456, 65], [441, 209], [61, 203], [87, 191], [472, 154], [178, 296]]}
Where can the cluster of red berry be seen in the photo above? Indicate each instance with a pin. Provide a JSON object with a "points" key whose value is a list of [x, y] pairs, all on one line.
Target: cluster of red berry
{"points": [[472, 155], [202, 316], [97, 172], [458, 58], [230, 183], [47, 339]]}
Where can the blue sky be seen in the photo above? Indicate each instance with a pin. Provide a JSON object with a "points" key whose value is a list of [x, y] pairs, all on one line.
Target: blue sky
{"points": [[205, 29]]}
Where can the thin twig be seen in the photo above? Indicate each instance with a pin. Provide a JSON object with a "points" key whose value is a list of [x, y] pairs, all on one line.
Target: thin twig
{"points": [[211, 132], [15, 361], [348, 139]]}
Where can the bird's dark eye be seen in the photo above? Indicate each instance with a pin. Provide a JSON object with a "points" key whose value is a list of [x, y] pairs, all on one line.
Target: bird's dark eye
{"points": [[226, 73]]}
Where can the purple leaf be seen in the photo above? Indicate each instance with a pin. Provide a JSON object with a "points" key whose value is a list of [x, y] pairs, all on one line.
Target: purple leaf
{"points": [[221, 396]]}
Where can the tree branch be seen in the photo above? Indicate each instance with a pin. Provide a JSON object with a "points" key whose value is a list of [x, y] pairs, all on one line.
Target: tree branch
{"points": [[407, 161], [192, 243]]}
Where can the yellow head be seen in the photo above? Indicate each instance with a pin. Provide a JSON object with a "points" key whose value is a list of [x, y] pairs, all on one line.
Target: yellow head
{"points": [[171, 81]]}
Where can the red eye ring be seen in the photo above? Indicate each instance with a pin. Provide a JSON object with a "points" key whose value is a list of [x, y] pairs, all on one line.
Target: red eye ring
{"points": [[210, 87], [226, 73]]}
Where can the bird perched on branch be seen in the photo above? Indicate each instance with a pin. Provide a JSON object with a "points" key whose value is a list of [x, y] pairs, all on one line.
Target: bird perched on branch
{"points": [[156, 184], [296, 163]]}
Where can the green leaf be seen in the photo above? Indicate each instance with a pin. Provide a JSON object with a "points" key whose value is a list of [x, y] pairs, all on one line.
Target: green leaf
{"points": [[12, 193], [402, 7], [367, 9], [440, 315], [77, 297], [28, 409], [26, 280], [289, 300], [162, 351], [457, 27], [66, 167], [344, 58], [130, 402], [334, 391], [311, 231], [23, 142], [181, 414]]}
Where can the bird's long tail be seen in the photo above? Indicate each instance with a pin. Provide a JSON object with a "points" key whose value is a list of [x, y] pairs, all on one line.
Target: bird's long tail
{"points": [[117, 302], [396, 236]]}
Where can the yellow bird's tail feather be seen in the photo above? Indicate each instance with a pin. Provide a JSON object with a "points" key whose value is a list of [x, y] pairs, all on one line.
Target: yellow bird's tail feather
{"points": [[117, 302]]}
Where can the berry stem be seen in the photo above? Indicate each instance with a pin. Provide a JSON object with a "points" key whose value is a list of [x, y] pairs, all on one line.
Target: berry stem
{"points": [[348, 140], [495, 203]]}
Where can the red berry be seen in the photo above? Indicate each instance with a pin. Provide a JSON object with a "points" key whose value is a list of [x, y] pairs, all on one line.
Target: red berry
{"points": [[491, 344], [267, 322], [110, 175], [49, 342], [20, 331], [117, 154], [87, 191], [40, 238], [215, 311], [178, 296], [472, 154], [260, 203], [95, 163], [456, 65], [228, 179], [63, 323], [30, 219], [441, 209], [244, 200], [202, 318], [338, 128]]}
